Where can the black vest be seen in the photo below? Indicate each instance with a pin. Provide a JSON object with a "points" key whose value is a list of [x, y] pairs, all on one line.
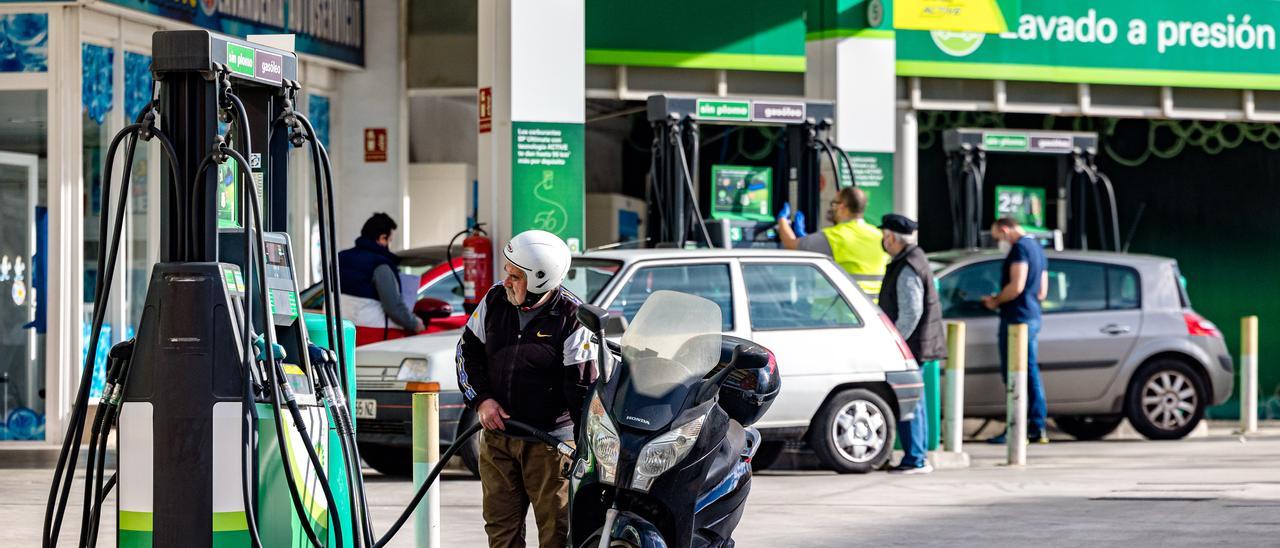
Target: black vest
{"points": [[929, 340], [356, 266]]}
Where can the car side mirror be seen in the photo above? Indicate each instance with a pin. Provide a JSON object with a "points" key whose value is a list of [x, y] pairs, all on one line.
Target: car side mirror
{"points": [[615, 325], [429, 308], [592, 317]]}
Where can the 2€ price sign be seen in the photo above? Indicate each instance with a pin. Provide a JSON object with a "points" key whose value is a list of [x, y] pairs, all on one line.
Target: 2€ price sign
{"points": [[375, 144]]}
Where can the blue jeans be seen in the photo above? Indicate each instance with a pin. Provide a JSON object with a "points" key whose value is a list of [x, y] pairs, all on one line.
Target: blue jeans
{"points": [[914, 434], [1036, 407]]}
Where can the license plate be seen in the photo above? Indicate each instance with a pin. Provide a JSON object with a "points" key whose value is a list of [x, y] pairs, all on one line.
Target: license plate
{"points": [[366, 409]]}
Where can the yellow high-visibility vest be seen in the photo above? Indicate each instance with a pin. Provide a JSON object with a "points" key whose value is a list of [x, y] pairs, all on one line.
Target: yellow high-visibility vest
{"points": [[855, 246]]}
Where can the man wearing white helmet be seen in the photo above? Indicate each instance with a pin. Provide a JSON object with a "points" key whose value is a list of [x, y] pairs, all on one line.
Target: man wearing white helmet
{"points": [[523, 354]]}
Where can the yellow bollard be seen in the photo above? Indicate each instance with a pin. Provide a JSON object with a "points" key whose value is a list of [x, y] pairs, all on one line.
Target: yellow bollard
{"points": [[953, 390], [426, 453], [1016, 402], [1249, 375]]}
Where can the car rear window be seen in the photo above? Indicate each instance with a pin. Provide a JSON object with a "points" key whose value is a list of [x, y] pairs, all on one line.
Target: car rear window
{"points": [[1180, 282]]}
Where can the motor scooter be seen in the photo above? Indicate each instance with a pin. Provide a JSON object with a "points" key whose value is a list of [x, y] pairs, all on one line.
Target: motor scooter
{"points": [[663, 455]]}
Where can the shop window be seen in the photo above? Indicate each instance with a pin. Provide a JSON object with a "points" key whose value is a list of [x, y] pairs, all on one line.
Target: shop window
{"points": [[318, 113], [137, 93], [23, 257], [97, 101], [24, 42]]}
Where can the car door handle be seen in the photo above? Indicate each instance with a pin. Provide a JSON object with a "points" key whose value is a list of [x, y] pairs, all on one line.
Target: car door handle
{"points": [[1114, 329]]}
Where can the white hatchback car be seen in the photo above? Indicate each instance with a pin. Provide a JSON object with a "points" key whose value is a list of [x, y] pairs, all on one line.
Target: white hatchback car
{"points": [[846, 374]]}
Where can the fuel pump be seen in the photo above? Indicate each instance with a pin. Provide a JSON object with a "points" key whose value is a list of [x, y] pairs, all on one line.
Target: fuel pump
{"points": [[234, 428], [740, 199], [1060, 213]]}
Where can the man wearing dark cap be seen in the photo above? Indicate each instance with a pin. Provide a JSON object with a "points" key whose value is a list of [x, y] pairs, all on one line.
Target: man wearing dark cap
{"points": [[909, 298]]}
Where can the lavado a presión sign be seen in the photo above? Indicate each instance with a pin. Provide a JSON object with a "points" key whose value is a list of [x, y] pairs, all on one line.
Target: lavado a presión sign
{"points": [[1225, 44]]}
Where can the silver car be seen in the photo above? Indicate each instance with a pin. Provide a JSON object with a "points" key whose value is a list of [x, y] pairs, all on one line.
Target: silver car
{"points": [[846, 375], [1118, 339]]}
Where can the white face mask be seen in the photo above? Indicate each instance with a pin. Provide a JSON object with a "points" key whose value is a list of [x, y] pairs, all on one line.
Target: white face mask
{"points": [[1004, 246]]}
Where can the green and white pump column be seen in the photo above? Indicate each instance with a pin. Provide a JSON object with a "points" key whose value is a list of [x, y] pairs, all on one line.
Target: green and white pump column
{"points": [[532, 101]]}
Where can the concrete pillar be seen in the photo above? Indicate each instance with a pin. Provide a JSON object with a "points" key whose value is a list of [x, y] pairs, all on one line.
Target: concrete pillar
{"points": [[849, 58], [906, 184], [532, 63], [373, 99]]}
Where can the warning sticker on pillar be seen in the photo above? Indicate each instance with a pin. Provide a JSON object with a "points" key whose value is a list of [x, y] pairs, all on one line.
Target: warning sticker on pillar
{"points": [[547, 179], [484, 107], [873, 173], [375, 144]]}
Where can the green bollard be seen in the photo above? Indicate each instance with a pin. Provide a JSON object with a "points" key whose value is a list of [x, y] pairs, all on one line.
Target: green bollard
{"points": [[932, 402], [932, 406]]}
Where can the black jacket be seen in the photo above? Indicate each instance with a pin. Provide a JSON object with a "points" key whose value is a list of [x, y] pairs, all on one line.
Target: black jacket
{"points": [[929, 340], [540, 374]]}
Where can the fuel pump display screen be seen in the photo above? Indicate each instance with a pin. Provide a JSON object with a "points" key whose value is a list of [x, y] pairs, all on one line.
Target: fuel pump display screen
{"points": [[277, 254], [741, 192]]}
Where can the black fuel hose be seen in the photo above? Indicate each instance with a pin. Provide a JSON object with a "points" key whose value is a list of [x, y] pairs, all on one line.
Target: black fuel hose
{"points": [[277, 375], [113, 414], [323, 170], [688, 184], [456, 446], [341, 345], [269, 334], [100, 416], [61, 487], [248, 426]]}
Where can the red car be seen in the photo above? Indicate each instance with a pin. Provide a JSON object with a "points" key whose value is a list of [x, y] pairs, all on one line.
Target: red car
{"points": [[439, 301]]}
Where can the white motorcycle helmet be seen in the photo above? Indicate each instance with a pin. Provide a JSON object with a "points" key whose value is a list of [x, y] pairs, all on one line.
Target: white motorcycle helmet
{"points": [[543, 257]]}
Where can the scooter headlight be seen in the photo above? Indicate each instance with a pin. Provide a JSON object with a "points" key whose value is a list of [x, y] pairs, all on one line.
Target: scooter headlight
{"points": [[605, 445], [664, 452]]}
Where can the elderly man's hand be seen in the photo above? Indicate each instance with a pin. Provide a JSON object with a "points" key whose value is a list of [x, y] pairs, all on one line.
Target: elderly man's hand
{"points": [[491, 415]]}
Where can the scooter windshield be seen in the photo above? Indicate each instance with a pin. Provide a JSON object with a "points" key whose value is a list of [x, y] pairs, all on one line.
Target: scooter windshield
{"points": [[673, 341]]}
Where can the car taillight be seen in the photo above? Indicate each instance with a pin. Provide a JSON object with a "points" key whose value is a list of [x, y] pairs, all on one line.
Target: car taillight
{"points": [[1197, 326], [897, 337]]}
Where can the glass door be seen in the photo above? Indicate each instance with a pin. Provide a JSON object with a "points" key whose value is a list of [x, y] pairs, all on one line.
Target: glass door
{"points": [[21, 370]]}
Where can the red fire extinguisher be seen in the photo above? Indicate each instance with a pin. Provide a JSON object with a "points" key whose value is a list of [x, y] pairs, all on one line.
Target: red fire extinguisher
{"points": [[477, 267]]}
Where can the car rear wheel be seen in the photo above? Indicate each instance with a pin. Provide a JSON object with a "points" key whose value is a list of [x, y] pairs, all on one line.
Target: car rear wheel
{"points": [[1166, 400], [387, 459], [1088, 428], [853, 432], [470, 451]]}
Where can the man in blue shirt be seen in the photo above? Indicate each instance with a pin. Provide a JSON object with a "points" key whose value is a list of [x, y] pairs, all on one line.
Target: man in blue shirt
{"points": [[1024, 282]]}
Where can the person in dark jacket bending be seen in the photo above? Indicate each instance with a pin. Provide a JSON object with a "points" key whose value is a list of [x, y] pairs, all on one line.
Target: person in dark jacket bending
{"points": [[910, 299], [524, 355], [371, 296]]}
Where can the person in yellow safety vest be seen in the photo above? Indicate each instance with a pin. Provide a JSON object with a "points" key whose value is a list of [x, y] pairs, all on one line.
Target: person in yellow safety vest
{"points": [[851, 241]]}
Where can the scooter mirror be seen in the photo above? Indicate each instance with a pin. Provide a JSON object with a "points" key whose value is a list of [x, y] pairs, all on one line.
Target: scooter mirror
{"points": [[751, 356], [615, 325], [592, 317]]}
